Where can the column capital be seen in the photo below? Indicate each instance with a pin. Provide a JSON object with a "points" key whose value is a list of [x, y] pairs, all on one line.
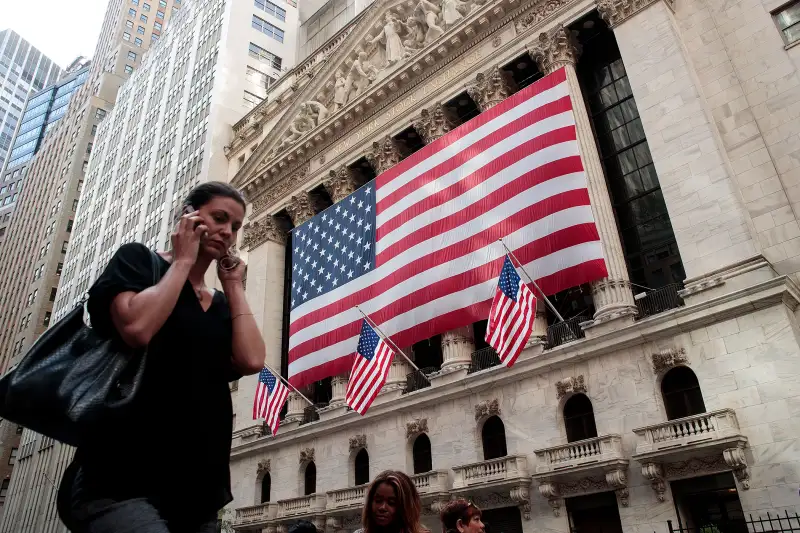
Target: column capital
{"points": [[433, 124], [555, 49], [615, 12], [300, 209], [384, 155], [341, 184], [260, 231], [491, 88]]}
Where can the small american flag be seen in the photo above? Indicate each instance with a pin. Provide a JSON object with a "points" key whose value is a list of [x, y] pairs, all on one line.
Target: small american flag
{"points": [[370, 369], [512, 315], [270, 396]]}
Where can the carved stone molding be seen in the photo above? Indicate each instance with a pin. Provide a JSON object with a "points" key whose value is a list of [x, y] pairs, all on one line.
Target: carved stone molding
{"points": [[487, 408], [260, 231], [433, 124], [263, 467], [540, 12], [623, 495], [384, 155], [275, 189], [521, 496], [357, 442], [306, 455], [551, 491], [615, 12], [300, 208], [492, 500], [654, 473], [669, 358], [735, 458], [491, 88], [341, 184], [694, 467], [555, 49], [416, 427], [571, 385]]}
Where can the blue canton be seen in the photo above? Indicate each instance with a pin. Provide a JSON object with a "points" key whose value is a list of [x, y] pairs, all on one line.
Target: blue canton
{"points": [[509, 280], [266, 377], [334, 247], [368, 341]]}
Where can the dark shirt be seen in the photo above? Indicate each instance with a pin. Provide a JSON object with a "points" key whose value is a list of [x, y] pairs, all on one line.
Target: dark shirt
{"points": [[173, 447]]}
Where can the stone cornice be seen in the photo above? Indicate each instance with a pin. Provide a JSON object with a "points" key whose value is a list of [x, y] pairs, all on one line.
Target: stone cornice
{"points": [[776, 291], [615, 12], [423, 65]]}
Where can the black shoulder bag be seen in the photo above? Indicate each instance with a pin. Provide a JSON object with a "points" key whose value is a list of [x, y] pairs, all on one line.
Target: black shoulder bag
{"points": [[72, 379]]}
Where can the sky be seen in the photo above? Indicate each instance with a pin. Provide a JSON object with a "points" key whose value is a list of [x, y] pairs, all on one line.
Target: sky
{"points": [[62, 30]]}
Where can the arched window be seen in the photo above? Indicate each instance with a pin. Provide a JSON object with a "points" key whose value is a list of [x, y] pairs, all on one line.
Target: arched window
{"points": [[681, 391], [421, 451], [266, 487], [362, 467], [311, 479], [579, 418], [494, 438]]}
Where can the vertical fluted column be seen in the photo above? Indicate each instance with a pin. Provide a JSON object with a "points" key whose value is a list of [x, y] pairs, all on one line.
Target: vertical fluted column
{"points": [[491, 88], [540, 323], [457, 348], [398, 372], [338, 389], [612, 295], [295, 408]]}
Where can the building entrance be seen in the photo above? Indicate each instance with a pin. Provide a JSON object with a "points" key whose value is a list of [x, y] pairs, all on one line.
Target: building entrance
{"points": [[503, 520], [596, 513], [709, 504]]}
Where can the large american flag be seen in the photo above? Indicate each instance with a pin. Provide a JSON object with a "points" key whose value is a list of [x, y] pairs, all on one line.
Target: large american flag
{"points": [[417, 248], [370, 369], [511, 316], [270, 396]]}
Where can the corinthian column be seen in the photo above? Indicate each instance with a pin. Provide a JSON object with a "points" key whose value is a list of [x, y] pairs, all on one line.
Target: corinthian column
{"points": [[491, 88], [384, 155], [612, 295], [431, 125], [341, 184], [300, 208]]}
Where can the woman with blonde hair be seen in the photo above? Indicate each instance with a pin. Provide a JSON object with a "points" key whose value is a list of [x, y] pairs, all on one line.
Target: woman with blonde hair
{"points": [[392, 505]]}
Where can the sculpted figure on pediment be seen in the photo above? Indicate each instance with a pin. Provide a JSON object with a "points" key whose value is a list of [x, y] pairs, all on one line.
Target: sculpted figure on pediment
{"points": [[361, 74], [453, 12], [316, 111], [414, 34], [339, 92], [389, 40], [429, 13]]}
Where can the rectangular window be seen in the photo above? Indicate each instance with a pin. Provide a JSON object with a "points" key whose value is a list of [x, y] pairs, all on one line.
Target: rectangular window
{"points": [[160, 14], [132, 56], [59, 268], [146, 7], [13, 458], [128, 69], [128, 24], [157, 26], [100, 114], [69, 226], [153, 38], [135, 2], [53, 291], [272, 9], [126, 36], [788, 20], [265, 56], [258, 78], [143, 18], [250, 100], [132, 12], [267, 29], [162, 3], [140, 30], [64, 247], [137, 41], [47, 316]]}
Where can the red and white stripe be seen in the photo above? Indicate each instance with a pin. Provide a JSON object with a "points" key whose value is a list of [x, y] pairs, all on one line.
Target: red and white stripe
{"points": [[367, 377], [511, 323], [513, 172]]}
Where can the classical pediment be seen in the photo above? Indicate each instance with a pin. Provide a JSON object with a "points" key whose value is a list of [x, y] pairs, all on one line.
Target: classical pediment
{"points": [[390, 45]]}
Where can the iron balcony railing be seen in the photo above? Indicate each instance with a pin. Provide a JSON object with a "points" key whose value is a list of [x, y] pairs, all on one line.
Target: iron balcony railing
{"points": [[658, 301], [416, 380], [311, 413], [566, 331], [483, 359]]}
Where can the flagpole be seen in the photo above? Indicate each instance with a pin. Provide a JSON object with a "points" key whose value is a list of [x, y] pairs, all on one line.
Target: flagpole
{"points": [[547, 301], [387, 339], [289, 384]]}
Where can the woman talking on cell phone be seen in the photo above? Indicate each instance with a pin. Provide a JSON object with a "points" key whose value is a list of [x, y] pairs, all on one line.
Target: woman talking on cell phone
{"points": [[163, 467]]}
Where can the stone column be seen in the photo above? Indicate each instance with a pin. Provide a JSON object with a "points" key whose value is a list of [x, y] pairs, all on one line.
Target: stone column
{"points": [[433, 124], [457, 348], [540, 323], [338, 389], [294, 411], [300, 208], [384, 155], [491, 88], [396, 381], [613, 298]]}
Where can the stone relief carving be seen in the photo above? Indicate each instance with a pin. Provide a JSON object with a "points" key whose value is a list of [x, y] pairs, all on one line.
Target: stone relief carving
{"points": [[341, 184], [263, 467], [415, 427], [384, 155], [357, 442], [735, 458], [260, 231], [389, 41], [491, 88], [306, 455], [433, 124], [694, 466], [669, 358], [654, 473], [279, 190], [571, 385], [551, 491], [487, 408], [491, 500], [555, 49], [540, 12], [300, 209], [520, 496], [615, 12]]}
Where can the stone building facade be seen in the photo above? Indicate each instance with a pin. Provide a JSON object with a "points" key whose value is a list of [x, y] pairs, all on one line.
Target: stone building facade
{"points": [[684, 362]]}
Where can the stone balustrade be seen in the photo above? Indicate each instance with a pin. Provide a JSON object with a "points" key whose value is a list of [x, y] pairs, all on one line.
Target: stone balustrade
{"points": [[348, 498], [575, 454], [510, 467], [691, 430], [303, 506], [261, 513], [431, 482]]}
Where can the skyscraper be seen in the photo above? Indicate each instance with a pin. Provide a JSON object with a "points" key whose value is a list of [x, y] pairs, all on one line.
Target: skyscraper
{"points": [[38, 236], [43, 110], [23, 69]]}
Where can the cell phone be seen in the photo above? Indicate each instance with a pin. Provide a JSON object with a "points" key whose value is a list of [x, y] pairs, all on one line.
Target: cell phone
{"points": [[187, 209]]}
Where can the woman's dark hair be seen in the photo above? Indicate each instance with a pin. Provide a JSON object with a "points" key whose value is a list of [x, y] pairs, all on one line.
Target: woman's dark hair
{"points": [[409, 507], [457, 510], [205, 192], [303, 526]]}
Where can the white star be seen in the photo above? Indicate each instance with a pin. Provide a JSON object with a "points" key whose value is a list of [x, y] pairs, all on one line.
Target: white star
{"points": [[324, 218], [338, 208], [358, 260], [293, 284], [305, 278], [343, 268], [336, 263], [350, 274], [336, 245], [330, 239], [367, 245], [330, 256], [315, 246], [314, 264], [295, 267], [367, 227], [330, 221], [335, 282], [360, 204], [328, 276], [322, 252], [319, 289], [352, 199], [305, 295], [350, 255], [292, 302], [366, 265], [324, 234], [345, 214], [344, 250], [313, 282], [367, 190], [316, 229], [359, 222], [302, 237], [352, 235], [300, 271], [368, 208], [358, 241], [302, 255], [310, 225], [321, 270], [308, 258], [338, 226], [297, 249], [352, 218]]}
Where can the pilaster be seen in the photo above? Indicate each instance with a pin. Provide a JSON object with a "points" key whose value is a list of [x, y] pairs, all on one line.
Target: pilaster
{"points": [[613, 298]]}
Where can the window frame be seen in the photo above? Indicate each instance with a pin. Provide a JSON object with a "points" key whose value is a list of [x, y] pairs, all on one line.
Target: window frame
{"points": [[778, 24]]}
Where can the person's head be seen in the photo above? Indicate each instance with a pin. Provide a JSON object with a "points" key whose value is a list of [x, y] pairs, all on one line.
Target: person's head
{"points": [[222, 209], [303, 526], [392, 503], [461, 516]]}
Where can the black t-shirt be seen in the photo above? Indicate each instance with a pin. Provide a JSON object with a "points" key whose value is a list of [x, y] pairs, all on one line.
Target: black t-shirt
{"points": [[174, 446]]}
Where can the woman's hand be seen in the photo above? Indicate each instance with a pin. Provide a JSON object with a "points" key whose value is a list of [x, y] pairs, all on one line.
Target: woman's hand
{"points": [[187, 236], [235, 274]]}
